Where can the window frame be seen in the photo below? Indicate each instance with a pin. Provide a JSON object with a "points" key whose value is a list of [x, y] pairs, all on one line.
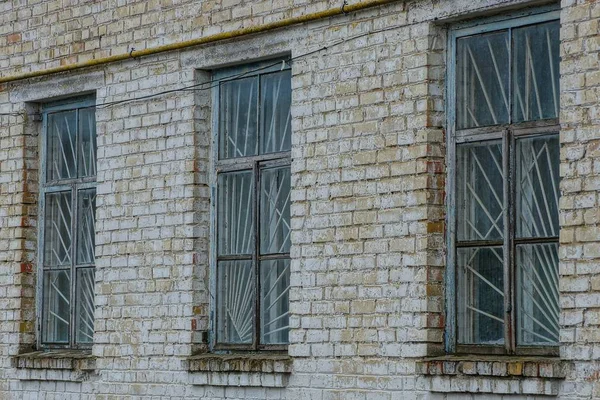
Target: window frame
{"points": [[507, 133], [255, 164], [74, 185]]}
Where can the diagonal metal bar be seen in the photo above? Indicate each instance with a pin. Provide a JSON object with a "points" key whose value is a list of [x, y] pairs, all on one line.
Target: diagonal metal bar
{"points": [[541, 182], [482, 85], [279, 277], [55, 315], [477, 310], [486, 178], [535, 83], [497, 70], [485, 210], [490, 284]]}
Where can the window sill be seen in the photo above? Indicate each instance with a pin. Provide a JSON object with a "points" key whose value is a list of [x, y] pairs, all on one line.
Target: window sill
{"points": [[80, 360], [240, 369], [494, 374]]}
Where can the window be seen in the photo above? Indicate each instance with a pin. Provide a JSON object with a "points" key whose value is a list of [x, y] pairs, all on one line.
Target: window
{"points": [[504, 186], [253, 126], [67, 224]]}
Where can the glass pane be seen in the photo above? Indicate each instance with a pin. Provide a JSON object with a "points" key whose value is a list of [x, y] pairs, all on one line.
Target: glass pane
{"points": [[537, 294], [536, 72], [57, 229], [86, 228], [479, 186], [238, 118], [235, 219], [84, 313], [482, 80], [235, 302], [480, 296], [61, 141], [275, 210], [57, 299], [275, 99], [274, 301], [87, 142], [538, 161]]}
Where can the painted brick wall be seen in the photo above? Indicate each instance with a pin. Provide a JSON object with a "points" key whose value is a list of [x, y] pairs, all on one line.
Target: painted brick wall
{"points": [[368, 178]]}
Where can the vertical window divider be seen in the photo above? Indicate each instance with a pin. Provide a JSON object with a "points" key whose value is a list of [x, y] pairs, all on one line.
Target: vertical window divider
{"points": [[512, 176], [256, 251], [73, 260]]}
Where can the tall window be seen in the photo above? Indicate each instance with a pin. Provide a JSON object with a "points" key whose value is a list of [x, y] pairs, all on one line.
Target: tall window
{"points": [[67, 234], [253, 207], [503, 186]]}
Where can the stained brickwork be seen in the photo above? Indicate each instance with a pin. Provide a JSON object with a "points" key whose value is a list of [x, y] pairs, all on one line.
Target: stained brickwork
{"points": [[368, 202]]}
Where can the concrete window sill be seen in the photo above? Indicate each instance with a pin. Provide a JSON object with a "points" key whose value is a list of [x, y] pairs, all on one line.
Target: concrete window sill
{"points": [[243, 369], [494, 374], [56, 359]]}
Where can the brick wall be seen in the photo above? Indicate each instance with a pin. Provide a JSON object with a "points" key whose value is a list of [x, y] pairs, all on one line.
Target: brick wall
{"points": [[368, 178]]}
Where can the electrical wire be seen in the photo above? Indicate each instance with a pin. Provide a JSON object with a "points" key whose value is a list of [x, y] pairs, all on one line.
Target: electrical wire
{"points": [[214, 83]]}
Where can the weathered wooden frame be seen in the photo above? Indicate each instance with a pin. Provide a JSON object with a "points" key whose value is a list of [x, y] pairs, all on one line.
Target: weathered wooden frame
{"points": [[74, 185], [507, 134]]}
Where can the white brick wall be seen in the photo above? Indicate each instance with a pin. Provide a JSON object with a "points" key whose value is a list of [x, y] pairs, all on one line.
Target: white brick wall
{"points": [[368, 178]]}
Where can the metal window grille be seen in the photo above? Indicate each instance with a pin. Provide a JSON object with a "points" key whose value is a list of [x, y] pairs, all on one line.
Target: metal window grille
{"points": [[252, 207], [67, 224], [503, 151]]}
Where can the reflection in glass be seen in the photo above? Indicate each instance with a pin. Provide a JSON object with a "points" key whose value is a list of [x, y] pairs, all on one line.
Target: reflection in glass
{"points": [[84, 313], [536, 72], [57, 229], [537, 186], [276, 122], [57, 303], [274, 301], [87, 142], [480, 198], [480, 295], [235, 302], [482, 80], [60, 146], [86, 228], [275, 211], [537, 294], [238, 118], [235, 225]]}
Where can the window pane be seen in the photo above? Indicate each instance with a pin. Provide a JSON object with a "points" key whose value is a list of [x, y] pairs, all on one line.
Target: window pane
{"points": [[537, 186], [235, 217], [275, 211], [482, 80], [480, 295], [57, 301], [235, 302], [274, 301], [61, 142], [238, 121], [537, 294], [536, 72], [480, 199], [86, 227], [275, 99], [57, 229], [84, 314], [87, 142]]}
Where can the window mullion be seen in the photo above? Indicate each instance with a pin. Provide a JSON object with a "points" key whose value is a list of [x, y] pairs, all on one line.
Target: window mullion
{"points": [[509, 232], [256, 250], [74, 222]]}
